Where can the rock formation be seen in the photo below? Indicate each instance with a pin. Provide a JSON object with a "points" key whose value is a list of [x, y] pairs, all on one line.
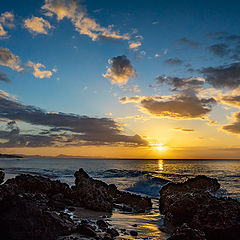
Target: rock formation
{"points": [[192, 203]]}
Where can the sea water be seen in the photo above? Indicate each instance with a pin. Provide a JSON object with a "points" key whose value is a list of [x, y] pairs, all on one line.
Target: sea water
{"points": [[144, 177]]}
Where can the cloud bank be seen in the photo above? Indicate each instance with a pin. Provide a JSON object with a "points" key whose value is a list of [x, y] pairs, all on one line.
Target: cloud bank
{"points": [[60, 129]]}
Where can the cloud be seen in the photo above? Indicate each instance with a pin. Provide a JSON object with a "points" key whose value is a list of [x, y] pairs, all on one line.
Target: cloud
{"points": [[3, 33], [8, 59], [120, 71], [39, 73], [219, 50], [178, 106], [235, 126], [134, 45], [37, 25], [173, 61], [227, 76], [84, 24], [188, 42], [181, 83], [6, 20], [4, 77], [184, 129], [231, 100], [62, 129]]}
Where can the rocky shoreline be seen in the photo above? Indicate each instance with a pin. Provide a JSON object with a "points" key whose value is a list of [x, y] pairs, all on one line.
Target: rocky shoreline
{"points": [[37, 208]]}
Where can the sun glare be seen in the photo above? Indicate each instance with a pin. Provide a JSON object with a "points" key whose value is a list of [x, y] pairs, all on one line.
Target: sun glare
{"points": [[159, 147]]}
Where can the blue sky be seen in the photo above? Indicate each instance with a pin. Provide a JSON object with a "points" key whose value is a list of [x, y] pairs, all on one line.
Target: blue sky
{"points": [[95, 53]]}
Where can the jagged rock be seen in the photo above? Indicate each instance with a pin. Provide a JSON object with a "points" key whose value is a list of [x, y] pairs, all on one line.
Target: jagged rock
{"points": [[39, 184], [198, 184], [97, 195], [133, 233], [186, 233], [191, 203], [22, 219], [86, 230], [2, 175], [113, 232], [102, 224]]}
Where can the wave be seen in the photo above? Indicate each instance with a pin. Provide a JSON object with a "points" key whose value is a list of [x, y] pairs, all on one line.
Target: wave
{"points": [[118, 173], [148, 185]]}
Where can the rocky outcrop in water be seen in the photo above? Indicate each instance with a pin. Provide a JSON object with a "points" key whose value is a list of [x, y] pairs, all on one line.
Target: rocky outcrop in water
{"points": [[99, 196], [192, 202], [33, 207]]}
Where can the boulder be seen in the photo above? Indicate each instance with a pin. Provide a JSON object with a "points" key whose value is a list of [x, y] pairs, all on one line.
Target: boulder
{"points": [[22, 219], [86, 230], [192, 203]]}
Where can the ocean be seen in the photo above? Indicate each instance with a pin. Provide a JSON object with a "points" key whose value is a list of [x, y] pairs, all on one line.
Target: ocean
{"points": [[144, 177]]}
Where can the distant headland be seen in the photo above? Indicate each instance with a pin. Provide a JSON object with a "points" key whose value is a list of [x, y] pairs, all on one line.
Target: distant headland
{"points": [[9, 156]]}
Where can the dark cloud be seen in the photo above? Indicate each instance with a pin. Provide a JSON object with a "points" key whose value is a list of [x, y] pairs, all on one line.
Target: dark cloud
{"points": [[173, 61], [227, 76], [219, 50], [4, 77], [8, 59], [188, 42], [64, 129], [120, 71], [191, 70], [232, 37], [235, 126], [184, 129], [232, 100], [181, 83], [179, 106]]}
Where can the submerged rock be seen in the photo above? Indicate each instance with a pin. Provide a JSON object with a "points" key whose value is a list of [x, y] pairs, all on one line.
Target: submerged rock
{"points": [[191, 202]]}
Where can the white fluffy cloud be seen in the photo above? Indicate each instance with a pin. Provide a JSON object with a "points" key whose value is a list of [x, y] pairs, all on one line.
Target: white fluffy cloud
{"points": [[6, 20], [37, 25], [84, 24], [134, 45], [39, 73]]}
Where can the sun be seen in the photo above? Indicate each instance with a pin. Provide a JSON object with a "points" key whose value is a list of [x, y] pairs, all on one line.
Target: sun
{"points": [[160, 147]]}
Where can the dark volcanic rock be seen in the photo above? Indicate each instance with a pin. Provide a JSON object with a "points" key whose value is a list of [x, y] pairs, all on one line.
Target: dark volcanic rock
{"points": [[22, 219], [97, 195], [102, 224], [199, 184], [39, 184], [113, 232], [133, 233], [86, 230], [191, 203], [2, 175], [186, 233]]}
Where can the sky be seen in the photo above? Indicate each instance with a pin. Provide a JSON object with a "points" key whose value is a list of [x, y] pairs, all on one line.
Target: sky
{"points": [[120, 79]]}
